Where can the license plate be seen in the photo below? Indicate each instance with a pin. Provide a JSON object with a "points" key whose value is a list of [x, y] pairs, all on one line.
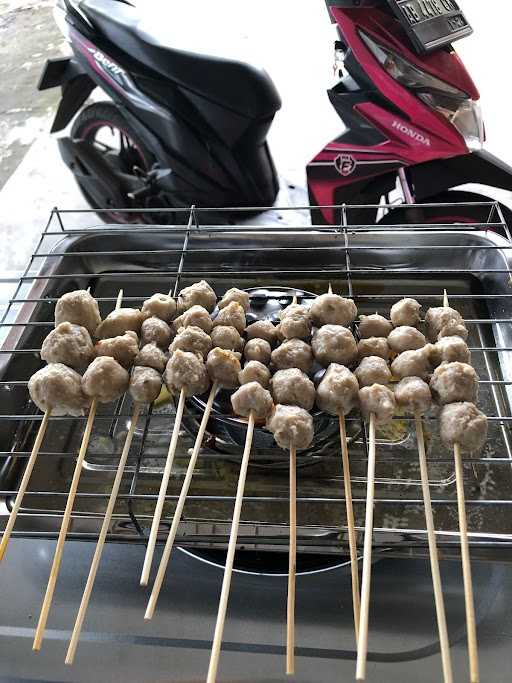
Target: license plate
{"points": [[431, 24]]}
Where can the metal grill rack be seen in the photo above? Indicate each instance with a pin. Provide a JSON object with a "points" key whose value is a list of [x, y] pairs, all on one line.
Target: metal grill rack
{"points": [[374, 264]]}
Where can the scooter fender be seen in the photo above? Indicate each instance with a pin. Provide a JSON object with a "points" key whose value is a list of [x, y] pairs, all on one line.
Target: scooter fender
{"points": [[479, 167], [76, 85]]}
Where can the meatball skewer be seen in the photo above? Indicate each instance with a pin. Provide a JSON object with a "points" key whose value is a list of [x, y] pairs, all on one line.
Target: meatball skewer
{"points": [[254, 402], [117, 385], [413, 394]]}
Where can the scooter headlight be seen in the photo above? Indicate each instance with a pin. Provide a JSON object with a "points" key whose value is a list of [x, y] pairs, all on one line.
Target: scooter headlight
{"points": [[463, 112]]}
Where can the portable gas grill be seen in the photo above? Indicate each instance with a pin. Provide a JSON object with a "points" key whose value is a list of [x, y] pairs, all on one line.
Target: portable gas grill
{"points": [[274, 257]]}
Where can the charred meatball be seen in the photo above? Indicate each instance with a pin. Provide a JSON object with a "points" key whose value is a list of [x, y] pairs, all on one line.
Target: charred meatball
{"points": [[161, 306], [223, 367], [79, 308], [195, 316], [237, 295], [262, 329], [293, 387], [413, 395], [442, 320], [232, 315], [334, 344], [464, 424], [151, 356], [192, 339], [372, 370], [156, 331], [450, 350], [291, 426], [69, 344], [124, 349], [332, 309], [145, 384], [454, 382], [406, 312], [379, 400], [198, 294], [186, 371], [105, 380], [252, 398], [254, 371], [59, 389], [293, 353], [338, 392], [227, 337], [413, 363], [373, 346], [406, 338], [374, 325], [120, 321], [258, 349]]}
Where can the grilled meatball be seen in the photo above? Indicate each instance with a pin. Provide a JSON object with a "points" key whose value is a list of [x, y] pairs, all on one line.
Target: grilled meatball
{"points": [[151, 356], [254, 371], [464, 424], [372, 370], [258, 349], [293, 387], [120, 321], [187, 371], [405, 312], [374, 325], [161, 306], [406, 338], [198, 294], [413, 363], [338, 392], [227, 337], [291, 426], [145, 384], [413, 395], [252, 398], [332, 309], [195, 316], [156, 331], [69, 344], [79, 308], [123, 349], [293, 353], [379, 400], [192, 339], [454, 382], [334, 344], [449, 350], [105, 380], [262, 329], [58, 388], [454, 329], [223, 367], [232, 315], [443, 320], [373, 346], [237, 295], [295, 322]]}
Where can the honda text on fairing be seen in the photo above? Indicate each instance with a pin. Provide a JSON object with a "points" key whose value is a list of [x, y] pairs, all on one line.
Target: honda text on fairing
{"points": [[184, 128]]}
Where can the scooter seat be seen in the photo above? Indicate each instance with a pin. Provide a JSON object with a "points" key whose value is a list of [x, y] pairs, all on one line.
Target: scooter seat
{"points": [[232, 84]]}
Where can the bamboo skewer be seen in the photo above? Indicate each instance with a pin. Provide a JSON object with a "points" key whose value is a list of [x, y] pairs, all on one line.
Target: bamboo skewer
{"points": [[292, 566], [362, 642], [434, 560], [228, 570], [352, 538], [24, 483], [466, 560], [148, 559], [150, 610], [73, 643], [66, 519]]}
